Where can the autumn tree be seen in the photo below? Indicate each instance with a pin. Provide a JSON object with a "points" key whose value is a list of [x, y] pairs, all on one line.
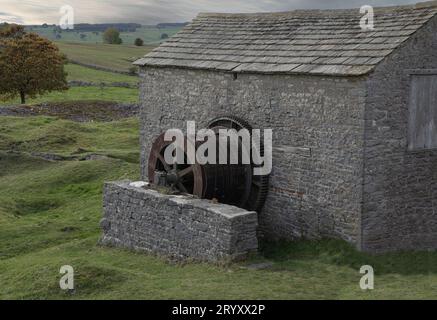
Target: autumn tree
{"points": [[112, 36], [29, 65], [11, 31]]}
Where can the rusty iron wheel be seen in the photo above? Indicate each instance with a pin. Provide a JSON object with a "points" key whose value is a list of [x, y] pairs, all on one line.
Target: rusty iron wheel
{"points": [[233, 184], [184, 177]]}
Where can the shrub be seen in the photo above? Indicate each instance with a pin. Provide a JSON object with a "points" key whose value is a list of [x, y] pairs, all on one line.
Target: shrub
{"points": [[139, 42], [112, 36]]}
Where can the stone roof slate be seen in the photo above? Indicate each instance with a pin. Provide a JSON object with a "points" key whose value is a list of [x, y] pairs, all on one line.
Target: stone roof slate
{"points": [[324, 42]]}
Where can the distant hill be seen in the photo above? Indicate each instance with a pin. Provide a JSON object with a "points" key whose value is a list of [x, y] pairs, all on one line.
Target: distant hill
{"points": [[92, 33], [171, 25], [122, 27], [88, 27]]}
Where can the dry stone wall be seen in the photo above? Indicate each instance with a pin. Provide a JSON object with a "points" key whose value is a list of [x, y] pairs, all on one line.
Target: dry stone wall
{"points": [[179, 227]]}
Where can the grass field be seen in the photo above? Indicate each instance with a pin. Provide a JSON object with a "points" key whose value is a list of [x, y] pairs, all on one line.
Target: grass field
{"points": [[50, 212], [149, 34], [125, 95], [80, 73], [111, 57]]}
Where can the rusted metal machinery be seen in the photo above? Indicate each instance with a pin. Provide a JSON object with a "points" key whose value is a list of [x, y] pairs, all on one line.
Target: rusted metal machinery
{"points": [[233, 184]]}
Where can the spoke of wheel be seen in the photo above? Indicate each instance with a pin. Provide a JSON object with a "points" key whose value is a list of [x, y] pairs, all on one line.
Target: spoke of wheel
{"points": [[161, 158], [182, 187], [185, 171]]}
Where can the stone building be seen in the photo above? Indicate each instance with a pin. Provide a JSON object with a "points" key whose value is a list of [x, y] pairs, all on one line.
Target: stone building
{"points": [[353, 114]]}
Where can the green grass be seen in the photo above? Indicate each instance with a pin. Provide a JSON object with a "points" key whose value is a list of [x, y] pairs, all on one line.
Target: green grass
{"points": [[111, 57], [126, 95], [150, 35], [50, 212], [117, 139], [80, 73]]}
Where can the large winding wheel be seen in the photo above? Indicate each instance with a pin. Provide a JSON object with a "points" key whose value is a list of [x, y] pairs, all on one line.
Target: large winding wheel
{"points": [[233, 184]]}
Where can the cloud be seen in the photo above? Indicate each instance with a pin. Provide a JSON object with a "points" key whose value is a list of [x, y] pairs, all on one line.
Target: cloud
{"points": [[10, 18], [155, 11]]}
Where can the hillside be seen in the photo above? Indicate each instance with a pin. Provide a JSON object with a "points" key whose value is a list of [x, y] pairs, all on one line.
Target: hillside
{"points": [[80, 73], [50, 212], [152, 35], [108, 56]]}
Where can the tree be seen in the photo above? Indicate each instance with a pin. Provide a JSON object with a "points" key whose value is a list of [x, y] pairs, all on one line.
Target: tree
{"points": [[112, 36], [29, 64], [139, 42], [11, 31]]}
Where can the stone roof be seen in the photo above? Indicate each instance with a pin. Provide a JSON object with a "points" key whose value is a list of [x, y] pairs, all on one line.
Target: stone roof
{"points": [[325, 42]]}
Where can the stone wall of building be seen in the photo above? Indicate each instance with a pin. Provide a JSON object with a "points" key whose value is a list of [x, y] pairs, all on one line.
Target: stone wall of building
{"points": [[179, 227], [318, 128], [400, 193]]}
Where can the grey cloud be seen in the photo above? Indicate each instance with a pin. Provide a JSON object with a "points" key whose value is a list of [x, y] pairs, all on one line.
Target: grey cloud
{"points": [[155, 11], [10, 18], [152, 11]]}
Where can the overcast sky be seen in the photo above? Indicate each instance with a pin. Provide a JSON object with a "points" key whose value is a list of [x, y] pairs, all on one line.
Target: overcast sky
{"points": [[155, 11]]}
